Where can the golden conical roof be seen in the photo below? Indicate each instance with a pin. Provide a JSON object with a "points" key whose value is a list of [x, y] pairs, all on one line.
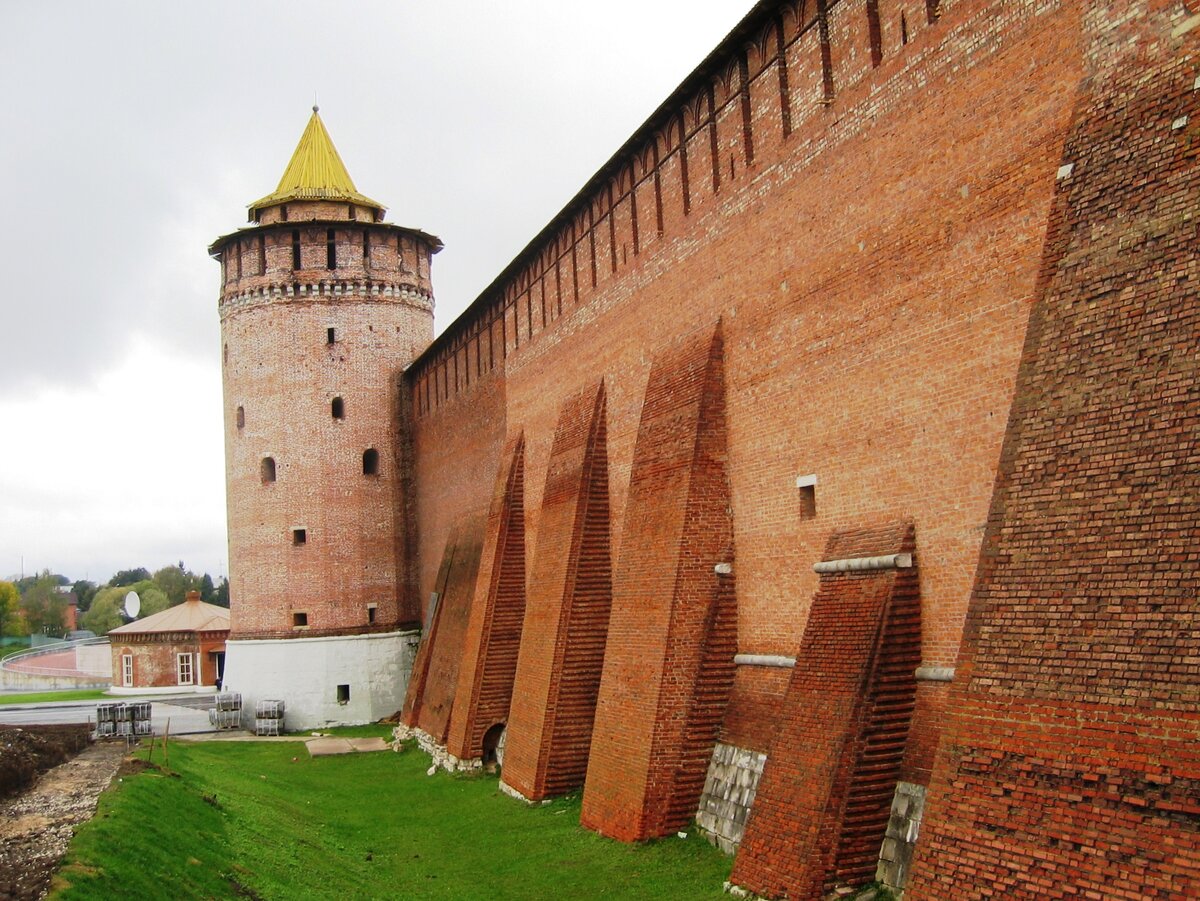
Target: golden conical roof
{"points": [[316, 172]]}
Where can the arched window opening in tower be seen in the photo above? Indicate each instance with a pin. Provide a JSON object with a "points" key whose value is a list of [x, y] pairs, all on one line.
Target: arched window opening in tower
{"points": [[296, 249], [267, 470], [330, 249], [370, 462], [241, 417], [338, 408]]}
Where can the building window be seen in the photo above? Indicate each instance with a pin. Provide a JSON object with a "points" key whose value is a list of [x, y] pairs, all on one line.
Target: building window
{"points": [[330, 249], [299, 537], [299, 620], [371, 608], [343, 694], [183, 666], [296, 249], [267, 470], [331, 336], [127, 670], [241, 417], [338, 408], [370, 462]]}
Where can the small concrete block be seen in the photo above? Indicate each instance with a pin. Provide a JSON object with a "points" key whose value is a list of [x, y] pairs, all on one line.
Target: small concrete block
{"points": [[1179, 123], [1065, 170], [324, 747]]}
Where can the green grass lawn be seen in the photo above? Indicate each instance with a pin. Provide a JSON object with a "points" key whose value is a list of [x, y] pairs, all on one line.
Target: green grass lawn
{"points": [[244, 819], [36, 697]]}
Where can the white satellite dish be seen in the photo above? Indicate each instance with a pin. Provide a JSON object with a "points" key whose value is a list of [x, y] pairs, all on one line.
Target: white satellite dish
{"points": [[133, 605]]}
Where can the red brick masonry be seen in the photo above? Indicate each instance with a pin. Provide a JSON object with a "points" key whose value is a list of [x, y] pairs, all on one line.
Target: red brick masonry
{"points": [[823, 802]]}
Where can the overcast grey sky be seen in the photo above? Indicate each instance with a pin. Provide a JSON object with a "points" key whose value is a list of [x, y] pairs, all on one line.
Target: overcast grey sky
{"points": [[136, 132]]}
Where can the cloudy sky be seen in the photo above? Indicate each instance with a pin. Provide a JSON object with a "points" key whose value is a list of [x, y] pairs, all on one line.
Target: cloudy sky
{"points": [[136, 132]]}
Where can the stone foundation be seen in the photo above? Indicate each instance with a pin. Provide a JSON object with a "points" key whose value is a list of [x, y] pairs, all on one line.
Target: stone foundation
{"points": [[908, 806], [308, 673], [729, 791], [442, 758]]}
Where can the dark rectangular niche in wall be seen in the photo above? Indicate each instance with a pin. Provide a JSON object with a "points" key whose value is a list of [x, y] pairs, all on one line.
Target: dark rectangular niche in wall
{"points": [[343, 694], [806, 487], [299, 620], [299, 536], [331, 335]]}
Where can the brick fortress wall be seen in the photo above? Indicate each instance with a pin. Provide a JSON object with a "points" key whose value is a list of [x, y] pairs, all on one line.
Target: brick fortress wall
{"points": [[1071, 761], [321, 306], [859, 192]]}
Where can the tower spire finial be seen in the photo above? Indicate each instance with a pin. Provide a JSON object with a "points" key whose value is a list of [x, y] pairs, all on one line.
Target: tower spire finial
{"points": [[316, 172]]}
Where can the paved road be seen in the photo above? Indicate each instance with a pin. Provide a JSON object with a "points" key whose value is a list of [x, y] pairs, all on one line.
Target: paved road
{"points": [[187, 713]]}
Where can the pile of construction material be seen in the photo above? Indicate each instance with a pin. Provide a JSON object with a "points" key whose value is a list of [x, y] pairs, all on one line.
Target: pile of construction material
{"points": [[227, 714], [123, 719], [268, 718]]}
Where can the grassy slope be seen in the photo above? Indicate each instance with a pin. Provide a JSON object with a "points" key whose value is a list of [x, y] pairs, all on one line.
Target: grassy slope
{"points": [[364, 826]]}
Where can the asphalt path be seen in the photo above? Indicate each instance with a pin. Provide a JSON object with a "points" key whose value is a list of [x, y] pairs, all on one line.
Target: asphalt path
{"points": [[187, 714]]}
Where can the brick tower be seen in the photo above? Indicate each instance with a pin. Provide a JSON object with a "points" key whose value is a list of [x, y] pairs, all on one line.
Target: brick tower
{"points": [[322, 304]]}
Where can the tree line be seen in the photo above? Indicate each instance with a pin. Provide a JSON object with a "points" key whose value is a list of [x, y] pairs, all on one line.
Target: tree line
{"points": [[37, 605]]}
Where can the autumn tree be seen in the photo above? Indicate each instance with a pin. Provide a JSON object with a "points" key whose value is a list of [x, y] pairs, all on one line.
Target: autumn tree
{"points": [[43, 606], [10, 607]]}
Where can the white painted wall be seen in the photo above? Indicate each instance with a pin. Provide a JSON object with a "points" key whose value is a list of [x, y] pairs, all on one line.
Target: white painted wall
{"points": [[304, 673]]}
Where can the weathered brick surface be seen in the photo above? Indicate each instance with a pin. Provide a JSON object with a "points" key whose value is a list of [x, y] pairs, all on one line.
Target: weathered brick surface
{"points": [[866, 195], [281, 375], [754, 704], [672, 637], [493, 634], [872, 264], [567, 615], [823, 801], [431, 692], [1071, 760]]}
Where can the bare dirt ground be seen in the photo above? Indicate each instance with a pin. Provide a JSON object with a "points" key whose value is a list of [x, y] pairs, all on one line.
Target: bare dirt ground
{"points": [[37, 820]]}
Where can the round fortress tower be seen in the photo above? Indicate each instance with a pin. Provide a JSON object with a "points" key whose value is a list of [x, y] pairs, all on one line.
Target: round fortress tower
{"points": [[322, 305]]}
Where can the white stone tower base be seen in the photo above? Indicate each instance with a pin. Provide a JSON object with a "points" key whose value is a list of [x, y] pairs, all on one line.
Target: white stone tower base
{"points": [[333, 681]]}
